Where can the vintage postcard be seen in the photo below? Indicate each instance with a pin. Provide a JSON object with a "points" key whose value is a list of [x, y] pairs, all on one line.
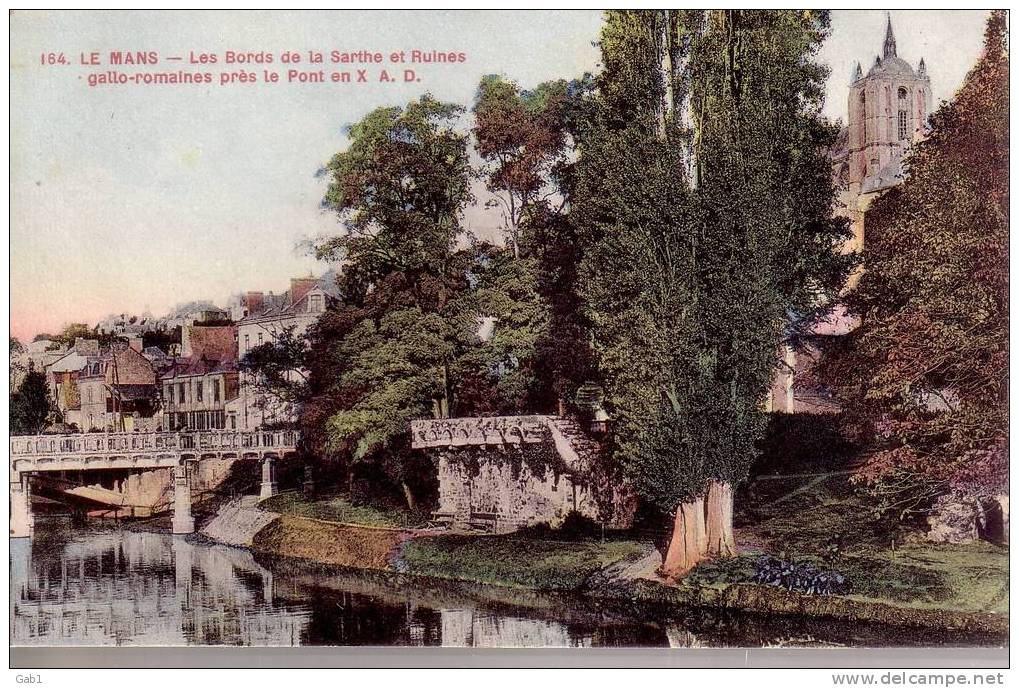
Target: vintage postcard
{"points": [[509, 329]]}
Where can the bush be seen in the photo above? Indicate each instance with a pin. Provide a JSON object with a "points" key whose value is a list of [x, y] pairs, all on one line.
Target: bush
{"points": [[575, 526], [802, 578]]}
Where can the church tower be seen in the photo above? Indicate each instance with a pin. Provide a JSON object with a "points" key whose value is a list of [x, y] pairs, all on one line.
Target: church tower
{"points": [[887, 112]]}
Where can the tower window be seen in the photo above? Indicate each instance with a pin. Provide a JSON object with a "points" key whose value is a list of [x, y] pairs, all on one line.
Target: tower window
{"points": [[863, 115], [902, 94], [902, 125]]}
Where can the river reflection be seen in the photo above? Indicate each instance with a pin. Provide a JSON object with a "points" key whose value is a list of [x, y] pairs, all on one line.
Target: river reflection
{"points": [[117, 587], [72, 586], [127, 588]]}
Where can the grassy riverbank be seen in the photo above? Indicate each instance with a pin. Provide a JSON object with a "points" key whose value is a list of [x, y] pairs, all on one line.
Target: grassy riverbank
{"points": [[895, 575], [329, 543], [805, 516], [339, 509], [514, 560]]}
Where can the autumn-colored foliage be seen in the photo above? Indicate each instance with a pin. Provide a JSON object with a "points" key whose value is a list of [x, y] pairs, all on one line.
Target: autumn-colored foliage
{"points": [[923, 380]]}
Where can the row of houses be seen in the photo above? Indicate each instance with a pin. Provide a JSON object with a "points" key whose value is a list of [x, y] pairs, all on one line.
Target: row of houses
{"points": [[198, 385]]}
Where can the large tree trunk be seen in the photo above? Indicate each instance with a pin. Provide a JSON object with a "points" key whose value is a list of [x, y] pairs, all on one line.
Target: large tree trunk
{"points": [[689, 539], [721, 542]]}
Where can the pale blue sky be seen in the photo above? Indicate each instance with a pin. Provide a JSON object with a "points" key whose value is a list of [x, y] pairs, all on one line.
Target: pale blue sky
{"points": [[127, 198]]}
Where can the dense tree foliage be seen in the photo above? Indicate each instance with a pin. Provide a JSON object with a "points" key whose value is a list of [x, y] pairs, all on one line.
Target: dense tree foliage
{"points": [[924, 378], [707, 202], [528, 140], [434, 322], [523, 136], [30, 404], [390, 353]]}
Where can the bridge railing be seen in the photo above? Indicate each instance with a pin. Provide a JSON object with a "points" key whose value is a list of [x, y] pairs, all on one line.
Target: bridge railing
{"points": [[151, 442]]}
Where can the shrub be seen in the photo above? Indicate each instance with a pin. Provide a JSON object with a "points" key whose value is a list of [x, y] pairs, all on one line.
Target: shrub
{"points": [[803, 578]]}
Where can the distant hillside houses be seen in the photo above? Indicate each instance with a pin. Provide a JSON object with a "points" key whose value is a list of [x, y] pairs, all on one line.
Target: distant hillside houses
{"points": [[185, 314], [121, 385]]}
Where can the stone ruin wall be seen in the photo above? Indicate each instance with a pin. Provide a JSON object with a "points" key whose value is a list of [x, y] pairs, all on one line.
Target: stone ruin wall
{"points": [[505, 494], [518, 498]]}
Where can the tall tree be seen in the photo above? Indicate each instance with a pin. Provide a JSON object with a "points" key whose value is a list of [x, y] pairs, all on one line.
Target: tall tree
{"points": [[709, 198], [528, 140], [399, 190], [924, 379], [30, 405], [522, 136]]}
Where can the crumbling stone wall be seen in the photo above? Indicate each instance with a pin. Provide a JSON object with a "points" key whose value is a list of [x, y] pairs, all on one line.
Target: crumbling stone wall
{"points": [[505, 472], [492, 491]]}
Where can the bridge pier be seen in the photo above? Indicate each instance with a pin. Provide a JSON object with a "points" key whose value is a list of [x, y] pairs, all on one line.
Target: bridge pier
{"points": [[183, 521], [22, 520], [82, 452], [269, 486]]}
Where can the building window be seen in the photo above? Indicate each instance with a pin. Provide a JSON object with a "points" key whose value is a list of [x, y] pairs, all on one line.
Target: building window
{"points": [[180, 388], [315, 303], [903, 94], [863, 116], [169, 393], [215, 390], [198, 388], [247, 343], [260, 339], [902, 125]]}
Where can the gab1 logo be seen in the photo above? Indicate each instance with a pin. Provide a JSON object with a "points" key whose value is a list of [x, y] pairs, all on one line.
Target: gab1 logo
{"points": [[28, 678]]}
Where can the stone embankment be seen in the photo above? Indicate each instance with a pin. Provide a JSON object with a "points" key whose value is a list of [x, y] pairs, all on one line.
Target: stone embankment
{"points": [[238, 522], [339, 544]]}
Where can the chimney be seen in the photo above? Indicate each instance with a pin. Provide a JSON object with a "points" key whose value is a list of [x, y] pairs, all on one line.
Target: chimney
{"points": [[299, 286], [254, 302], [135, 342], [185, 341]]}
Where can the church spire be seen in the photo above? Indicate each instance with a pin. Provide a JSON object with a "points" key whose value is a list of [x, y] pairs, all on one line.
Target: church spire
{"points": [[889, 50]]}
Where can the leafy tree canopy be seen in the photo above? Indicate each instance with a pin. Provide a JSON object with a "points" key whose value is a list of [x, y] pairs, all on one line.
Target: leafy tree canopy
{"points": [[924, 378], [30, 404]]}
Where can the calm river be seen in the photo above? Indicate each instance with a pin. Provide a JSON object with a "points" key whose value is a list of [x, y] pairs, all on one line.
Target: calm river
{"points": [[91, 586]]}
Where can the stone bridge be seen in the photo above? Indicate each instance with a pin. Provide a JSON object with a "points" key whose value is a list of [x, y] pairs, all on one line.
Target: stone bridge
{"points": [[32, 454]]}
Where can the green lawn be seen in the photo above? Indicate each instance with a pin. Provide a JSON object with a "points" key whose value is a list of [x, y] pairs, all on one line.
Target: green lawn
{"points": [[970, 577], [338, 509], [513, 560], [799, 517]]}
